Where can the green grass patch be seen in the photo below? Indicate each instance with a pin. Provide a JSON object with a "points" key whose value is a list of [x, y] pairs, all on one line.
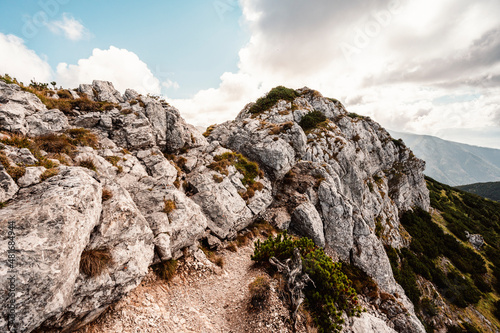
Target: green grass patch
{"points": [[250, 170]]}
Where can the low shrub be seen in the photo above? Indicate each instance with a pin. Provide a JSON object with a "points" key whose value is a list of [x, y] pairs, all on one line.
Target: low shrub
{"points": [[311, 120], [218, 179], [232, 247], [113, 160], [272, 97], [94, 262], [209, 130], [55, 143], [213, 257], [354, 115], [332, 292], [63, 93]]}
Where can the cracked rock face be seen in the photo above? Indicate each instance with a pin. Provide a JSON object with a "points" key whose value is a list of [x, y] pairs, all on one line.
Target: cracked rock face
{"points": [[155, 191]]}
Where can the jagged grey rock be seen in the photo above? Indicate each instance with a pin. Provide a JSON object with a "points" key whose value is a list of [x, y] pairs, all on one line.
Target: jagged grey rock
{"points": [[31, 177], [367, 323], [15, 106], [47, 261], [8, 186], [106, 92], [126, 234], [344, 184], [20, 155], [475, 239], [86, 89], [46, 122], [307, 221]]}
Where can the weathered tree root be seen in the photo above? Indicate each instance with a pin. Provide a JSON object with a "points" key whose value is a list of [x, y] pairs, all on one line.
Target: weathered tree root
{"points": [[296, 280]]}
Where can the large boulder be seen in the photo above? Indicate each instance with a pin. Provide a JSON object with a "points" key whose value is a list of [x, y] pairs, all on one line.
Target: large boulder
{"points": [[126, 234], [15, 106], [52, 222]]}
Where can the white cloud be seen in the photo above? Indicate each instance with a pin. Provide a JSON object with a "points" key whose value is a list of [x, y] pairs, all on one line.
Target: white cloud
{"points": [[120, 66], [407, 54], [170, 84], [70, 27], [20, 62]]}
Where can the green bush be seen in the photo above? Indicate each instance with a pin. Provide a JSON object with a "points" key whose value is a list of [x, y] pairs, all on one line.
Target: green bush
{"points": [[272, 97], [332, 291], [311, 120]]}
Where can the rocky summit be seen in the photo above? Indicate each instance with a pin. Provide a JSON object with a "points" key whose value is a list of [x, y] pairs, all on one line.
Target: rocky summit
{"points": [[93, 175]]}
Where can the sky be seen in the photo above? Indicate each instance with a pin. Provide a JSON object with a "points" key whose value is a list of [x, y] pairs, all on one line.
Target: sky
{"points": [[426, 67]]}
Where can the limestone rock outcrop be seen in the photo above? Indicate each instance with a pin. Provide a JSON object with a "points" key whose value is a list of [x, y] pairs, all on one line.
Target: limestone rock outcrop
{"points": [[152, 185]]}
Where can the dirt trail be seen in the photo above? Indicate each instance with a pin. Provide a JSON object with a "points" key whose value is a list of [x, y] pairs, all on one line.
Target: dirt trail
{"points": [[200, 298]]}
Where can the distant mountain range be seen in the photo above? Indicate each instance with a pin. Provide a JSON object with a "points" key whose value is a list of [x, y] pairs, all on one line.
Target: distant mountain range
{"points": [[453, 163], [487, 190]]}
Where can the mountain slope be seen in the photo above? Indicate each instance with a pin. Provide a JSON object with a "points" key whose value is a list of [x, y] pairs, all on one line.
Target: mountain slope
{"points": [[441, 271], [454, 163], [489, 190]]}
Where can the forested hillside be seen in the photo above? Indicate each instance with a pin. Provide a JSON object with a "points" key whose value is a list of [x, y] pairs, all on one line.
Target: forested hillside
{"points": [[442, 273], [489, 190]]}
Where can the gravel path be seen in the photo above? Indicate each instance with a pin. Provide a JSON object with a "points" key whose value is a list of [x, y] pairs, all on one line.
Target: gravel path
{"points": [[200, 298]]}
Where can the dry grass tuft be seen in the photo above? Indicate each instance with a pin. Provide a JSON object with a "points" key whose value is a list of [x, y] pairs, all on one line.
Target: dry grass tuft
{"points": [[88, 163], [169, 206], [232, 247], [14, 171], [49, 173], [213, 257], [94, 262], [166, 269], [259, 291], [106, 194]]}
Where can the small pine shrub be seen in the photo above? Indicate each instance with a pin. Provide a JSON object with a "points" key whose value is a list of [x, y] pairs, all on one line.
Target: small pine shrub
{"points": [[259, 291], [94, 262], [272, 97], [333, 291], [311, 120]]}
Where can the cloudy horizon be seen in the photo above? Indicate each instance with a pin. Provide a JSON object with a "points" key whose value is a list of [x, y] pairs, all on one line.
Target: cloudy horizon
{"points": [[426, 68]]}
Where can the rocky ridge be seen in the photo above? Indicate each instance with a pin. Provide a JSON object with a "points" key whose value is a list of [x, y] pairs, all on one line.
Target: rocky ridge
{"points": [[152, 186]]}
